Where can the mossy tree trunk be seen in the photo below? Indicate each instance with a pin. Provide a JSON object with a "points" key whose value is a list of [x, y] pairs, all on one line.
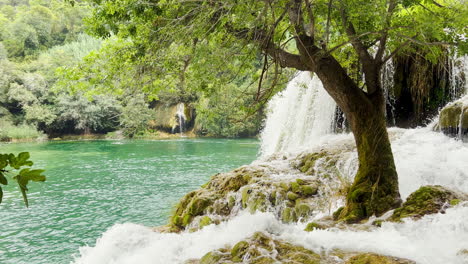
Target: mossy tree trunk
{"points": [[375, 188]]}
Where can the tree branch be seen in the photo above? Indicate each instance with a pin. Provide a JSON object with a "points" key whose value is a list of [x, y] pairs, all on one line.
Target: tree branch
{"points": [[383, 39], [304, 43]]}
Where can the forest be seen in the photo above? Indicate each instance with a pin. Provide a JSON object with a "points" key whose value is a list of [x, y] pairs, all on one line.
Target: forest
{"points": [[51, 85]]}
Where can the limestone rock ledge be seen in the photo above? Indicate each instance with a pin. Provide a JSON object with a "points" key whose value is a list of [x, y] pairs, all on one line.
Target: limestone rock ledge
{"points": [[263, 249], [453, 119]]}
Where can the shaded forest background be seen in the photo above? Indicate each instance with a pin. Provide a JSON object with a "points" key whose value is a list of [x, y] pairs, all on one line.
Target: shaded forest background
{"points": [[57, 79]]}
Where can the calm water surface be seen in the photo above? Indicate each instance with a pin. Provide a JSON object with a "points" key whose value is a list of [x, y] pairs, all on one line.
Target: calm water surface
{"points": [[92, 185]]}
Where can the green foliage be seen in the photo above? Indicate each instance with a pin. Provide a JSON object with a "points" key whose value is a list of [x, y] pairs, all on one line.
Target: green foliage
{"points": [[99, 113], [9, 131], [18, 168], [225, 113], [135, 115], [30, 27]]}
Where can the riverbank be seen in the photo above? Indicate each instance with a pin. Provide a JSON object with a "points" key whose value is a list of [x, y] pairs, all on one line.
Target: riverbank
{"points": [[115, 135]]}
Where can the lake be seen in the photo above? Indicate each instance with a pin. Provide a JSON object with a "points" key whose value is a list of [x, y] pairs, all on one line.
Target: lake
{"points": [[92, 185]]}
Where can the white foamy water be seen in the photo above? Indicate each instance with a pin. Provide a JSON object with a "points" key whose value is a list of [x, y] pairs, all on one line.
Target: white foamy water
{"points": [[298, 116], [435, 239], [131, 244]]}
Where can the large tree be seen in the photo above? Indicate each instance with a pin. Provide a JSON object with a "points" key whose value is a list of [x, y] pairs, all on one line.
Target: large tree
{"points": [[344, 42]]}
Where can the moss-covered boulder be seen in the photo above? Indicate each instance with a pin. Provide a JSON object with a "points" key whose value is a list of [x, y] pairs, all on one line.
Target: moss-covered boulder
{"points": [[369, 258], [305, 192], [428, 199], [259, 249], [453, 119], [262, 248]]}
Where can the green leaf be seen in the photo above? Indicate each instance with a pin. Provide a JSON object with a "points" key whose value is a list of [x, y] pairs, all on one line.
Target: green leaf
{"points": [[1, 195], [33, 175], [3, 179], [21, 160], [3, 161], [25, 197]]}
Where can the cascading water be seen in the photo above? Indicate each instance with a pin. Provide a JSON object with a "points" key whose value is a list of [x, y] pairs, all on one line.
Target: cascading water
{"points": [[298, 116], [422, 157], [458, 76], [180, 115]]}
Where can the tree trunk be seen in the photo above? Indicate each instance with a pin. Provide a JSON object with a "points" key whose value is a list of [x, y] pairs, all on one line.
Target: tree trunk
{"points": [[375, 188]]}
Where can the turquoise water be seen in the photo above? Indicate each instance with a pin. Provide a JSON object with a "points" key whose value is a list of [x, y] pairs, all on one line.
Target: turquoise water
{"points": [[92, 185]]}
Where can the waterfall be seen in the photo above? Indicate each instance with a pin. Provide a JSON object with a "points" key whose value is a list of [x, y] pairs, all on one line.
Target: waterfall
{"points": [[180, 115], [458, 76], [298, 116], [388, 84]]}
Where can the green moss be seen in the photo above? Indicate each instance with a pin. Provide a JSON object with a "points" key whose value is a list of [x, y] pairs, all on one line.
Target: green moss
{"points": [[426, 200], [300, 181], [193, 204], [204, 221], [369, 258], [239, 250], [211, 258], [295, 187], [303, 210], [245, 196], [454, 202], [337, 213], [309, 190], [289, 253], [450, 116], [377, 223], [292, 196], [312, 226], [288, 215]]}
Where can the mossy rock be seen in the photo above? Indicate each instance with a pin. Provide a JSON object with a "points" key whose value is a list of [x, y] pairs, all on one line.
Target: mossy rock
{"points": [[449, 119], [428, 199], [193, 204], [288, 215], [231, 181], [307, 162], [239, 250], [309, 190], [314, 226], [262, 249], [303, 210], [369, 258], [292, 196], [204, 221], [213, 257]]}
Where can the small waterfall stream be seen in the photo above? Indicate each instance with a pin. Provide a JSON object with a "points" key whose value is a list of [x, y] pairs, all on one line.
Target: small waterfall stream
{"points": [[298, 116], [180, 116]]}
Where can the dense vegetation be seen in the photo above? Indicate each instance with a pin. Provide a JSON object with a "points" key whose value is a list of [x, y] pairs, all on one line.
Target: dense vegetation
{"points": [[56, 79]]}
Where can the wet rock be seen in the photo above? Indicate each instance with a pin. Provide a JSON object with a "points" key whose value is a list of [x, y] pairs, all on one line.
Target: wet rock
{"points": [[261, 248], [313, 226], [369, 258], [428, 199], [453, 119]]}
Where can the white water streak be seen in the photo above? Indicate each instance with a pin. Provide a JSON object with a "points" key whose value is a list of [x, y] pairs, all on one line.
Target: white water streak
{"points": [[298, 116]]}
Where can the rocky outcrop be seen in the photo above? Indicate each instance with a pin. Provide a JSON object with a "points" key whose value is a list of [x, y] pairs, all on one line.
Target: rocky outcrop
{"points": [[166, 117], [255, 188], [430, 199], [453, 119], [263, 249]]}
